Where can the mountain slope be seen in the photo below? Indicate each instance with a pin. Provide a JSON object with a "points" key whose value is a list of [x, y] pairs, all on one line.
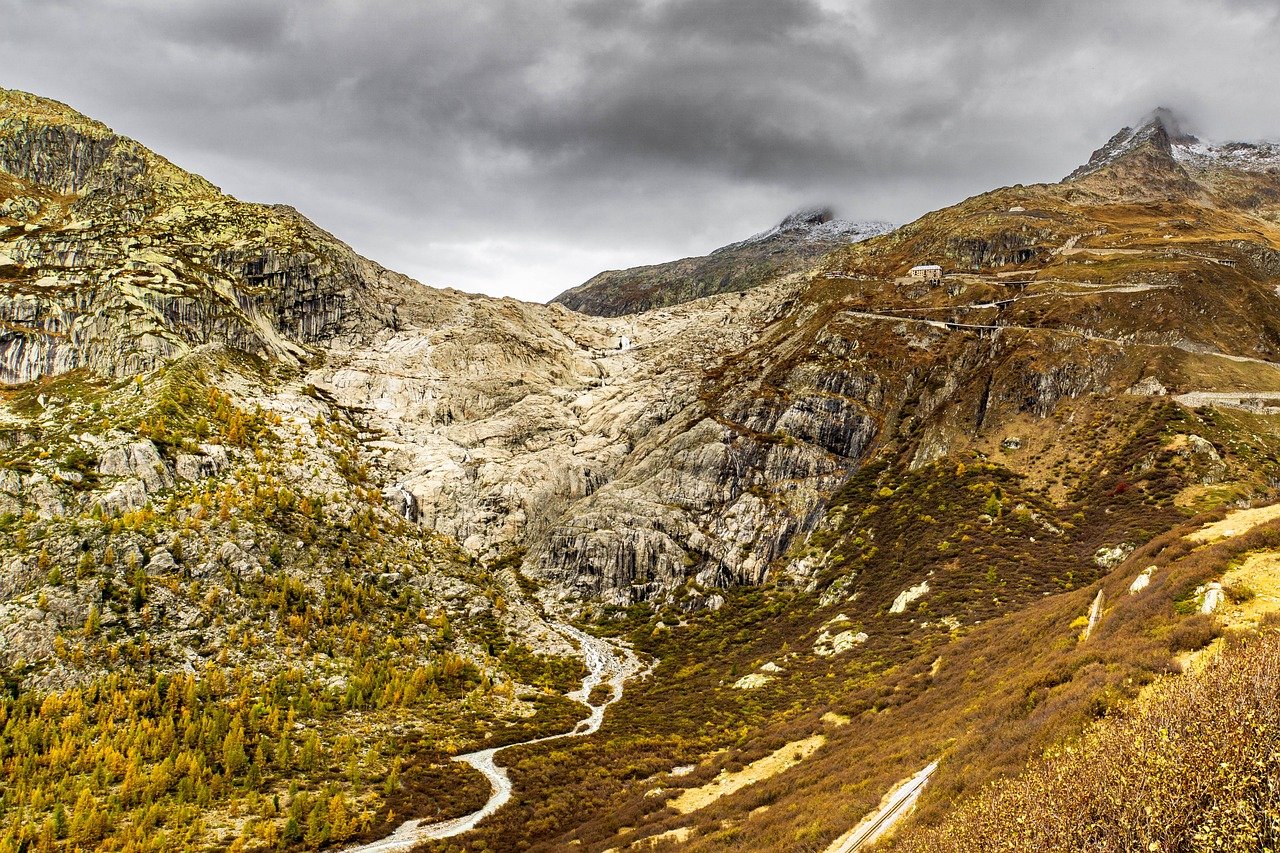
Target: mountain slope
{"points": [[1069, 316], [199, 566], [1135, 775], [843, 508], [792, 246], [116, 260]]}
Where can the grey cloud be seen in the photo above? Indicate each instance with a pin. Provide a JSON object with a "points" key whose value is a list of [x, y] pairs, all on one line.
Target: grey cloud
{"points": [[243, 27], [516, 147]]}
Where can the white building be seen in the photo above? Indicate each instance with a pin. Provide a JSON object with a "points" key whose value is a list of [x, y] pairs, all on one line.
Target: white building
{"points": [[928, 272]]}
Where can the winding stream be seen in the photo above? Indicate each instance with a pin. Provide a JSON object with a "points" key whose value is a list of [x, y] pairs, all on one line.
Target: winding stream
{"points": [[607, 663]]}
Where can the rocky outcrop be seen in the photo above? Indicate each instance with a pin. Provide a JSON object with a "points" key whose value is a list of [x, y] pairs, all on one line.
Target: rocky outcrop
{"points": [[209, 462], [1006, 248], [127, 311], [70, 160], [496, 420], [502, 424], [718, 493], [126, 262], [1141, 163]]}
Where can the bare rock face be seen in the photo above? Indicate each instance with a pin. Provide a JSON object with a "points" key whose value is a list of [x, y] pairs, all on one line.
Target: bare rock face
{"points": [[140, 460], [209, 462], [701, 498], [41, 494], [130, 262], [618, 470], [504, 424], [670, 451]]}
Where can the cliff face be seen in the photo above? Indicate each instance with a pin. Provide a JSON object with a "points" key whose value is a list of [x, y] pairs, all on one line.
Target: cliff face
{"points": [[117, 261], [499, 424], [665, 453]]}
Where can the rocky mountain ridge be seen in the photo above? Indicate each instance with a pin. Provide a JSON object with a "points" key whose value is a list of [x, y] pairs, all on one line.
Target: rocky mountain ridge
{"points": [[816, 225], [1160, 132], [791, 246], [628, 456]]}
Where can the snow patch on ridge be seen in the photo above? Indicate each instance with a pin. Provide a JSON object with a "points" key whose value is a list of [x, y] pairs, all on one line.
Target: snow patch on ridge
{"points": [[1245, 156], [817, 226]]}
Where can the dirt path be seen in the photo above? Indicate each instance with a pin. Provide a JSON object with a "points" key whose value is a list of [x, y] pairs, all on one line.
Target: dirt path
{"points": [[953, 326], [1191, 399], [607, 663], [1089, 290], [895, 806], [1231, 399], [1104, 253], [1095, 616]]}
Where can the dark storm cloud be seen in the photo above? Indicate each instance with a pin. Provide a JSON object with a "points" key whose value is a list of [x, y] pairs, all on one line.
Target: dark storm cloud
{"points": [[518, 147], [737, 87]]}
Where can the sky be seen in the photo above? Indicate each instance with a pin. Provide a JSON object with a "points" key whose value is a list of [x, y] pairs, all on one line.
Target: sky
{"points": [[517, 147]]}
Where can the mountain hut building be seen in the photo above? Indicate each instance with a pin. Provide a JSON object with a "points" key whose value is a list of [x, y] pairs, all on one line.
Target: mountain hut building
{"points": [[926, 272]]}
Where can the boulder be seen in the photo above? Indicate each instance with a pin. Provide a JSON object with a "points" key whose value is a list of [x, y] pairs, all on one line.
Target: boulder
{"points": [[162, 563], [209, 462], [907, 596], [1142, 581], [140, 461], [230, 555], [1109, 558]]}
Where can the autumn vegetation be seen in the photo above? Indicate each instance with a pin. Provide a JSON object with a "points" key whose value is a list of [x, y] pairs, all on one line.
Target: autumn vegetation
{"points": [[1194, 765], [326, 685], [1013, 681], [305, 692]]}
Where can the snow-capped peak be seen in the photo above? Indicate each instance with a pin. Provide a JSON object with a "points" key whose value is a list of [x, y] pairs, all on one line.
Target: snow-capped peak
{"points": [[1159, 129], [817, 225], [1163, 133]]}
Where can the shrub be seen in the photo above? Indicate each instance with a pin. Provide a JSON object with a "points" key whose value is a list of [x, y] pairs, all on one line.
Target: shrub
{"points": [[1194, 767]]}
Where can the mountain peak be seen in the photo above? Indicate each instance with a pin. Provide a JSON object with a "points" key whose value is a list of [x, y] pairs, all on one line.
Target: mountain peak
{"points": [[815, 224], [1147, 147], [16, 105], [806, 218], [1167, 121], [795, 244]]}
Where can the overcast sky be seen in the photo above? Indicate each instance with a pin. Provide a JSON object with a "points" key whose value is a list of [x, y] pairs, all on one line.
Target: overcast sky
{"points": [[517, 147]]}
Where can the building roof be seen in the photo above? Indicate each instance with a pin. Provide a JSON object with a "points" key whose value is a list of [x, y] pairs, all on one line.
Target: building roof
{"points": [[926, 267]]}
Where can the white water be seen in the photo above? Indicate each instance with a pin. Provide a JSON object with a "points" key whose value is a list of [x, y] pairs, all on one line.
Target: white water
{"points": [[607, 663]]}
